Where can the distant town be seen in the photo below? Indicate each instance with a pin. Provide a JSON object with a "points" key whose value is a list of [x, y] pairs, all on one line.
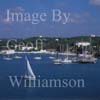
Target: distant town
{"points": [[91, 44]]}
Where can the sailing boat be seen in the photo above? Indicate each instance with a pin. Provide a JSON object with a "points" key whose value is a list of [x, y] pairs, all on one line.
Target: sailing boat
{"points": [[67, 60], [30, 74], [57, 60]]}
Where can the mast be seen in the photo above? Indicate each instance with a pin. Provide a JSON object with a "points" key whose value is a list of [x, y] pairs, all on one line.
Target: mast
{"points": [[67, 50]]}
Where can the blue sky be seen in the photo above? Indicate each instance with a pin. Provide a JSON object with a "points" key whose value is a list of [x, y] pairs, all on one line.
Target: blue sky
{"points": [[84, 18]]}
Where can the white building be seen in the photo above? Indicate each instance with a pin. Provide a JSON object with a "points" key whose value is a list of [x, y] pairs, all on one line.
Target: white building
{"points": [[85, 44]]}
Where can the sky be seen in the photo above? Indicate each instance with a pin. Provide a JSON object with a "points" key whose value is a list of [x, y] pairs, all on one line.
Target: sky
{"points": [[84, 18]]}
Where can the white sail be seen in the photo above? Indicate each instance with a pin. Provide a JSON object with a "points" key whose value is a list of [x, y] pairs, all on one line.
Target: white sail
{"points": [[29, 69]]}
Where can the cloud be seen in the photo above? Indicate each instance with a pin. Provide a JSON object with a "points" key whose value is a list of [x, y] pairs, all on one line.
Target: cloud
{"points": [[5, 21], [20, 8], [95, 2], [17, 9], [77, 18], [3, 15]]}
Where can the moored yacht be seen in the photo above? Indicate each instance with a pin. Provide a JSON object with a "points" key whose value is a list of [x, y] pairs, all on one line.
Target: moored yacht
{"points": [[67, 60], [17, 57], [57, 61], [7, 54], [7, 58], [37, 58], [87, 59]]}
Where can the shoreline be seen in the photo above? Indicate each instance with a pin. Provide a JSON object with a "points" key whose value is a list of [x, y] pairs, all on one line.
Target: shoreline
{"points": [[52, 53], [39, 52]]}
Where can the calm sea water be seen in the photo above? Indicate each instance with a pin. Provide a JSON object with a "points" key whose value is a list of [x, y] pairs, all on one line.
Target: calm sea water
{"points": [[46, 69]]}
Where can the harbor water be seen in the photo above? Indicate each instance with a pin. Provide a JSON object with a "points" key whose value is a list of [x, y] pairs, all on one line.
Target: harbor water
{"points": [[46, 69]]}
